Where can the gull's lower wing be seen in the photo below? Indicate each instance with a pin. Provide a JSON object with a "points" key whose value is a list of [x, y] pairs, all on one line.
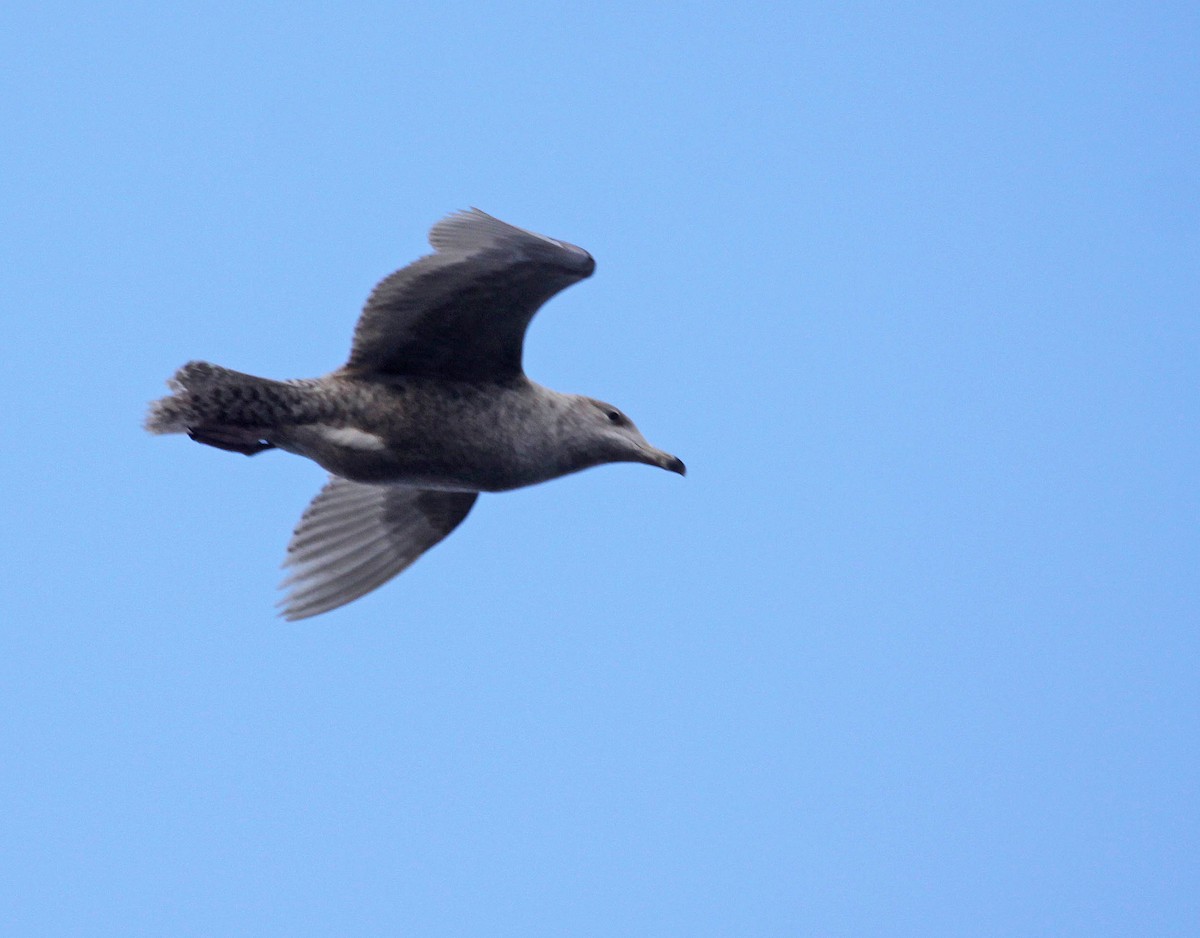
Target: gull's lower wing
{"points": [[353, 538]]}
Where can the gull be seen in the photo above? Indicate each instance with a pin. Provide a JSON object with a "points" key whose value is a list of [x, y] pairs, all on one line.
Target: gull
{"points": [[432, 408]]}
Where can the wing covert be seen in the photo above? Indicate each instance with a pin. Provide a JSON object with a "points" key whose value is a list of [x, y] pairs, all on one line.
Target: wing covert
{"points": [[461, 313]]}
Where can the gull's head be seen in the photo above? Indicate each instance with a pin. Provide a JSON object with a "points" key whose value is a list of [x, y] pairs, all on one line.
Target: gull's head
{"points": [[612, 437]]}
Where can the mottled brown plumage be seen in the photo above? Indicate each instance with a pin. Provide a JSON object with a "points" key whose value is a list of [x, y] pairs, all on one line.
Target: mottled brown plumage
{"points": [[431, 408]]}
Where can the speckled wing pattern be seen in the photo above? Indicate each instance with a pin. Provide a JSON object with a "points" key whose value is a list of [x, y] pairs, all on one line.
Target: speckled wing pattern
{"points": [[353, 538], [461, 313]]}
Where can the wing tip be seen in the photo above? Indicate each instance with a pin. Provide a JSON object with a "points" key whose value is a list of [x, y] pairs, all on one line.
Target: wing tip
{"points": [[472, 228]]}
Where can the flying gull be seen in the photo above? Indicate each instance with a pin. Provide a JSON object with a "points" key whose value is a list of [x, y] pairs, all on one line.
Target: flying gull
{"points": [[432, 408]]}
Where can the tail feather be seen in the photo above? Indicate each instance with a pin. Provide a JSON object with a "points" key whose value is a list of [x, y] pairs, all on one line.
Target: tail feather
{"points": [[223, 407]]}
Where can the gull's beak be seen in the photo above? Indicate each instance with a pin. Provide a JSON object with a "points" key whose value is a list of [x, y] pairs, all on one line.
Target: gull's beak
{"points": [[669, 462]]}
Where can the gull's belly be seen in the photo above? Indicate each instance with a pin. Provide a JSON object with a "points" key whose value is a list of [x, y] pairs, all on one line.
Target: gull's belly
{"points": [[454, 463]]}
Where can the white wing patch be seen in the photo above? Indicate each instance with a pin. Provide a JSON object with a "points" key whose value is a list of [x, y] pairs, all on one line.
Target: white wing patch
{"points": [[352, 438]]}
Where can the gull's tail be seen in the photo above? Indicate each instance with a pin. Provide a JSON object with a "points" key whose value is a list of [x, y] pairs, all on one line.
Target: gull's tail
{"points": [[226, 408]]}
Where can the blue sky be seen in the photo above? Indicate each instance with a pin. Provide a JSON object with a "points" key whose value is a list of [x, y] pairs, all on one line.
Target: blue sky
{"points": [[913, 649]]}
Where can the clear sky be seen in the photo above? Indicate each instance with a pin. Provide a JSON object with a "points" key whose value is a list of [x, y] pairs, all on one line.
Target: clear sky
{"points": [[913, 649]]}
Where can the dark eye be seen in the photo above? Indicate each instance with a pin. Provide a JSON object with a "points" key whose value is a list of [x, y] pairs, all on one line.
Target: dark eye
{"points": [[615, 416]]}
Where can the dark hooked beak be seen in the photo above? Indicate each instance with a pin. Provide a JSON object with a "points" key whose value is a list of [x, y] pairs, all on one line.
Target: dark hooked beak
{"points": [[669, 462]]}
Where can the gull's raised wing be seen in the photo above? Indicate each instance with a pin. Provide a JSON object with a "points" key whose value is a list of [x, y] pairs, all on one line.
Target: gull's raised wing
{"points": [[353, 538], [461, 312]]}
